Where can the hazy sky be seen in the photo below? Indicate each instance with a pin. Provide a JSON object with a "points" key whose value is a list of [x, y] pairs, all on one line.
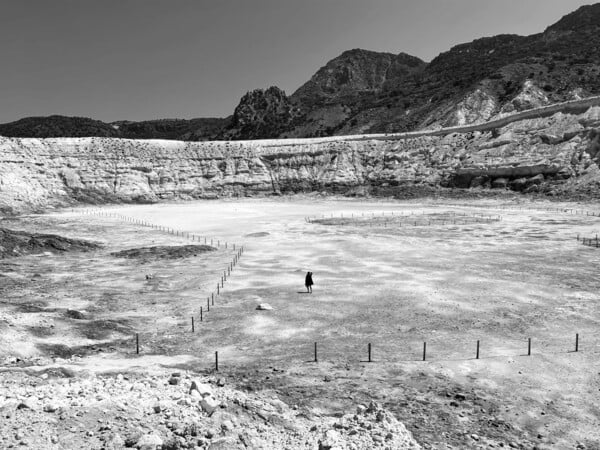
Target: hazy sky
{"points": [[146, 59]]}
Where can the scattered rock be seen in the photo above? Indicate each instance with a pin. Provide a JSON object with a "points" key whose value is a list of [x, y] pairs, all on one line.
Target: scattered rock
{"points": [[203, 389], [500, 183], [50, 408], [150, 441], [264, 307], [73, 314], [209, 404]]}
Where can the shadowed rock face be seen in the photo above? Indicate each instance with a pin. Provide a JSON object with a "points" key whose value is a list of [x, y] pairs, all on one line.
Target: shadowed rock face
{"points": [[560, 150], [261, 114]]}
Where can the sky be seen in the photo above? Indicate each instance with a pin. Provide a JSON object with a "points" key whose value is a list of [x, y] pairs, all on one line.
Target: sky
{"points": [[148, 59]]}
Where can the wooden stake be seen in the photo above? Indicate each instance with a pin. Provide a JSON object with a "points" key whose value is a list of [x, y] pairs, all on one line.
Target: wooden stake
{"points": [[316, 360], [201, 314], [369, 350], [207, 306], [477, 355], [424, 350], [137, 344], [193, 324], [529, 347], [216, 361], [577, 342]]}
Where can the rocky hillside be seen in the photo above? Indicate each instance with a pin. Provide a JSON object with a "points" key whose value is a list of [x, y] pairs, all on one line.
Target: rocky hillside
{"points": [[362, 91], [181, 129], [367, 92], [57, 126], [556, 155], [62, 126]]}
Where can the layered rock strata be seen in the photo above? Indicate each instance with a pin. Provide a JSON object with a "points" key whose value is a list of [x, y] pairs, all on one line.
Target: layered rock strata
{"points": [[555, 154]]}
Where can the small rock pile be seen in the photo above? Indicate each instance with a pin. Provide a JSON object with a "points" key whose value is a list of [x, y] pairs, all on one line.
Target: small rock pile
{"points": [[369, 427], [66, 409]]}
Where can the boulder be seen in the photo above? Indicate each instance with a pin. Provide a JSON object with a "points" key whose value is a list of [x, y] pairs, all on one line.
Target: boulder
{"points": [[519, 184], [50, 408], [73, 314], [150, 441], [331, 440], [500, 183], [114, 442], [209, 404], [202, 388], [264, 307], [538, 179], [480, 181], [225, 443]]}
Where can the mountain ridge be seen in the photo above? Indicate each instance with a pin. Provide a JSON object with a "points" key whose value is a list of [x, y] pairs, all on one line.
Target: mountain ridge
{"points": [[363, 91]]}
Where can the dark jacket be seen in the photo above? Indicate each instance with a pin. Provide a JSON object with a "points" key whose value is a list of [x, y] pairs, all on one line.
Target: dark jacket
{"points": [[308, 281]]}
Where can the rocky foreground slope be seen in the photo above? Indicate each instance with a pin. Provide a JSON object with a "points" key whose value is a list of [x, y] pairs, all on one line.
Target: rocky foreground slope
{"points": [[57, 408], [556, 155]]}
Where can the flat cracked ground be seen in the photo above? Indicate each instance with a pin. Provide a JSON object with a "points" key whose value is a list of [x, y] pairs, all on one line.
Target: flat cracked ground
{"points": [[390, 274]]}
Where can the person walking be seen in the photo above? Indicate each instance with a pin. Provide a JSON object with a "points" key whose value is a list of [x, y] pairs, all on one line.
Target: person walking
{"points": [[308, 282]]}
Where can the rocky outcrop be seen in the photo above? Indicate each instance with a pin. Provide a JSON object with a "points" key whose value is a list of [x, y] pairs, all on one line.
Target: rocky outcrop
{"points": [[18, 243], [261, 114], [561, 152]]}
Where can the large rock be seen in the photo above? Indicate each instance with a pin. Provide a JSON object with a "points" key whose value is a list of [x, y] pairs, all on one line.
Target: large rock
{"points": [[209, 404], [150, 441], [203, 389], [500, 183]]}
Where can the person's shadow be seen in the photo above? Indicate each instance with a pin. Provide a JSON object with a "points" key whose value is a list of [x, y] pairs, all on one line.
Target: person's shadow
{"points": [[303, 292]]}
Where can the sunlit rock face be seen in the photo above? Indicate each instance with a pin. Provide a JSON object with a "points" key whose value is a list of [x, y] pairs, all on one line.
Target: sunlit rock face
{"points": [[556, 155]]}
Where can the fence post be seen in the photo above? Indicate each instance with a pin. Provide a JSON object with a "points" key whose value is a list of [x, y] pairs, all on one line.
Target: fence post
{"points": [[316, 360], [577, 342], [477, 355], [369, 350], [529, 347], [137, 344], [216, 361], [201, 314], [212, 297], [207, 305], [193, 330], [424, 350]]}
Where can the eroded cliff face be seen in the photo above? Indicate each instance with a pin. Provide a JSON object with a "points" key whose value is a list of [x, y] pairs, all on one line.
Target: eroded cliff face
{"points": [[555, 155]]}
